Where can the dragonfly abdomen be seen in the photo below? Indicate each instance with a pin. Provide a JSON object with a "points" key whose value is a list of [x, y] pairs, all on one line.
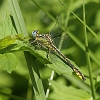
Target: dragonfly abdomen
{"points": [[69, 63]]}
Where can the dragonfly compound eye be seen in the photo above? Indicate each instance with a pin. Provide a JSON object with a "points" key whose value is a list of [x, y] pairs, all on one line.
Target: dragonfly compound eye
{"points": [[34, 33]]}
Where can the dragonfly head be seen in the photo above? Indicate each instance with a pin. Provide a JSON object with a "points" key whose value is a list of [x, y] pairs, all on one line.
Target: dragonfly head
{"points": [[34, 33]]}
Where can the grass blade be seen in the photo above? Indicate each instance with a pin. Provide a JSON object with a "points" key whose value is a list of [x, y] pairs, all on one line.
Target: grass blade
{"points": [[87, 54], [18, 18]]}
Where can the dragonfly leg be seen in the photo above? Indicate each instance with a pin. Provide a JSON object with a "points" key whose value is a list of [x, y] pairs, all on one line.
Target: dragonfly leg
{"points": [[48, 53], [39, 45], [32, 41]]}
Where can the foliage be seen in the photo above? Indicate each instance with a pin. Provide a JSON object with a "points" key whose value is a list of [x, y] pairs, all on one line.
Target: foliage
{"points": [[14, 40]]}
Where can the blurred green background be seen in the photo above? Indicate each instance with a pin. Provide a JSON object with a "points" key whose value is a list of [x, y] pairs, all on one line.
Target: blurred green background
{"points": [[35, 18]]}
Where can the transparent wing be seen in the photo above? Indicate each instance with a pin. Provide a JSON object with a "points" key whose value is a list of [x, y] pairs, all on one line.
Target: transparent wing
{"points": [[56, 30], [61, 42], [60, 39]]}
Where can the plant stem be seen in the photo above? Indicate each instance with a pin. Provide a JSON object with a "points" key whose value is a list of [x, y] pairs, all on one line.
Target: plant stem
{"points": [[87, 54]]}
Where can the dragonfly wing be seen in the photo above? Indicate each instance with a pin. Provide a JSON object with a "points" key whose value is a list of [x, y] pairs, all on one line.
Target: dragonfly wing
{"points": [[61, 42], [56, 30]]}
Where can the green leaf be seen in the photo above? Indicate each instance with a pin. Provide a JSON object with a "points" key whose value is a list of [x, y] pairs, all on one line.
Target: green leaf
{"points": [[59, 65], [39, 54], [13, 39], [7, 41], [53, 62], [8, 34], [62, 92], [7, 27], [8, 61]]}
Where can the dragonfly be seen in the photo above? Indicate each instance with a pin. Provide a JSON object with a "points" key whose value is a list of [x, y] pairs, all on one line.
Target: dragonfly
{"points": [[46, 41]]}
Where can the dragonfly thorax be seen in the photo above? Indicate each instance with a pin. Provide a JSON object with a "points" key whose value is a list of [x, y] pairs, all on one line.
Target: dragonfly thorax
{"points": [[34, 33]]}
